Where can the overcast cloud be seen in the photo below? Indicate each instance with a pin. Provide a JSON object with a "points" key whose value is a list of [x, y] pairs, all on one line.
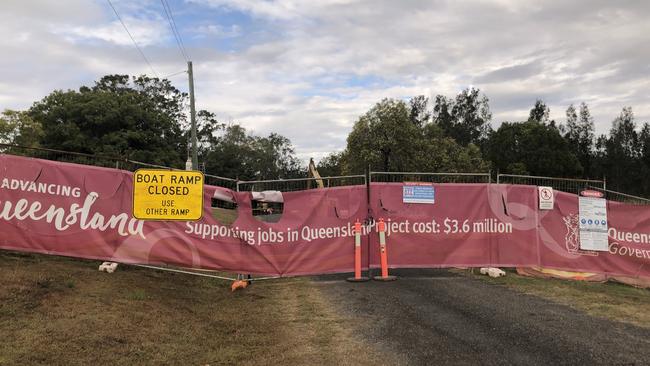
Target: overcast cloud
{"points": [[308, 69]]}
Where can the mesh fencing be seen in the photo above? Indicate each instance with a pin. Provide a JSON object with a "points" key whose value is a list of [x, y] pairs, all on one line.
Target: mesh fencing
{"points": [[622, 197], [568, 185], [391, 177], [102, 161], [65, 156], [300, 184], [215, 180]]}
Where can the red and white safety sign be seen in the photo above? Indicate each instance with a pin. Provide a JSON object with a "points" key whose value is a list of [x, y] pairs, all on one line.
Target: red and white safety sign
{"points": [[546, 198]]}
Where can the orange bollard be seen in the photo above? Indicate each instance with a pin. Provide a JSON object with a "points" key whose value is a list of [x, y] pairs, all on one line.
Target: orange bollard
{"points": [[357, 255], [381, 227]]}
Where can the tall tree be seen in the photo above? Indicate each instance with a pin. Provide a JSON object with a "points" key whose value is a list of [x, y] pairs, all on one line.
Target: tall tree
{"points": [[18, 128], [383, 138], [644, 143], [623, 152], [331, 165], [465, 118], [540, 112], [532, 148], [386, 138], [238, 154], [140, 118], [419, 113], [580, 135]]}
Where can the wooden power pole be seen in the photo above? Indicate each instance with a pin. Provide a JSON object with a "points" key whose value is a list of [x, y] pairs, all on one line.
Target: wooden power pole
{"points": [[195, 157]]}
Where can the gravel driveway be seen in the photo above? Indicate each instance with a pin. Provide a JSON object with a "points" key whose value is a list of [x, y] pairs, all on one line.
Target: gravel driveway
{"points": [[430, 317]]}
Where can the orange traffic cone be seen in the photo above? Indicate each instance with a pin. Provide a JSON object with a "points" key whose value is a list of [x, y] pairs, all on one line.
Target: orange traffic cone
{"points": [[357, 255], [381, 227]]}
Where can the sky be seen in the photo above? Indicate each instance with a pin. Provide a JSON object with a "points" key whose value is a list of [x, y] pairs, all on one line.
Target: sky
{"points": [[309, 69]]}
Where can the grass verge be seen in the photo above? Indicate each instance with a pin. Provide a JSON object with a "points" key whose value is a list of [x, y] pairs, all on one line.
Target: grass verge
{"points": [[59, 311], [609, 300]]}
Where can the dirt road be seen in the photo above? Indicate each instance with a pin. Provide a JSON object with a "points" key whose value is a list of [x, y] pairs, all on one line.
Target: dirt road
{"points": [[431, 317]]}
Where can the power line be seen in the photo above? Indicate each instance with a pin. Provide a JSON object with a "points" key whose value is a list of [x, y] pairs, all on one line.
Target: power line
{"points": [[174, 74], [172, 25], [132, 39]]}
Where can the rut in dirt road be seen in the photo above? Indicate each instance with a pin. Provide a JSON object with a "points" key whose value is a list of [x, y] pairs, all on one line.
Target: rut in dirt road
{"points": [[436, 316]]}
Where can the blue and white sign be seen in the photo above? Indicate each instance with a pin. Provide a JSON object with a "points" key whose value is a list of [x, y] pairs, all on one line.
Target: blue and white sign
{"points": [[418, 193], [593, 223]]}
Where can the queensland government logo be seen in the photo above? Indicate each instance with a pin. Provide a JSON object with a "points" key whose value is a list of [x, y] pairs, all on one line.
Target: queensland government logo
{"points": [[572, 237]]}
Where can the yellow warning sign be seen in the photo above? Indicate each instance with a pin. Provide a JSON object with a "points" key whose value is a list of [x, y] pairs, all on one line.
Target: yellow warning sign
{"points": [[167, 194]]}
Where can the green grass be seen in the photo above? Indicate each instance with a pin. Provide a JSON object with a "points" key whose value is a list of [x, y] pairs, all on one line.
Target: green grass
{"points": [[609, 300], [58, 311]]}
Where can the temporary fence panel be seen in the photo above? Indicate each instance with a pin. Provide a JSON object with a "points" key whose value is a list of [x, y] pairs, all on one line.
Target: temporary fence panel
{"points": [[628, 228], [85, 211], [82, 211], [467, 225]]}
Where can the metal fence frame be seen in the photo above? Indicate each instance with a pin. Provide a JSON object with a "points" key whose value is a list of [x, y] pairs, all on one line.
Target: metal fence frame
{"points": [[623, 197], [107, 161], [297, 184], [570, 185], [434, 177]]}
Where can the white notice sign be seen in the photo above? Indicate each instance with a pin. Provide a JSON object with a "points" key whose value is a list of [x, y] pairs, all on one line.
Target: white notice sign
{"points": [[593, 223], [546, 198]]}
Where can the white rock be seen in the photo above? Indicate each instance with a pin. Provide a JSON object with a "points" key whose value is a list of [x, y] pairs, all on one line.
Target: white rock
{"points": [[108, 267], [495, 272]]}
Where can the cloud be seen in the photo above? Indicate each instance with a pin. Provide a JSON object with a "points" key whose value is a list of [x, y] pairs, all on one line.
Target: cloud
{"points": [[308, 69], [146, 32], [215, 30]]}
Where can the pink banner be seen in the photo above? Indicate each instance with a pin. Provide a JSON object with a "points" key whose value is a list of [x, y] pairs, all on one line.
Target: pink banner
{"points": [[629, 239], [82, 211], [469, 225]]}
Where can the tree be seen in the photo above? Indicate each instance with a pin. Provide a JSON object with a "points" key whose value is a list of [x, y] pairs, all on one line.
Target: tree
{"points": [[644, 143], [540, 112], [419, 112], [331, 165], [466, 118], [383, 138], [238, 154], [623, 154], [580, 135], [209, 132], [532, 148], [141, 118], [18, 128], [388, 138], [275, 158]]}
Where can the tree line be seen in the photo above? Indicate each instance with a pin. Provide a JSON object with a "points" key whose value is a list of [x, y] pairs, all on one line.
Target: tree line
{"points": [[145, 119], [455, 135]]}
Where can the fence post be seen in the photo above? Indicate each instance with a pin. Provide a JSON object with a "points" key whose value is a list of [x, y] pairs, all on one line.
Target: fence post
{"points": [[368, 216]]}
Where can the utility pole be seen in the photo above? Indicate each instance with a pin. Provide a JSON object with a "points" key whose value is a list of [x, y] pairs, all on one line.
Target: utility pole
{"points": [[195, 158]]}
